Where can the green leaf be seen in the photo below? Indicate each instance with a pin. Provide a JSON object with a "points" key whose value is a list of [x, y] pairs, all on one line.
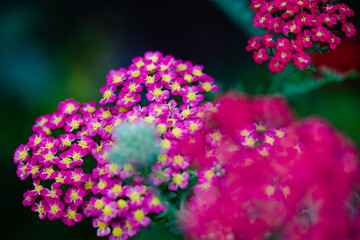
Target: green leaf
{"points": [[303, 82]]}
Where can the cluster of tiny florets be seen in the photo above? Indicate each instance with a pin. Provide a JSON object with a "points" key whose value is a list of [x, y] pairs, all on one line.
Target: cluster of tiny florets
{"points": [[299, 27], [68, 157], [291, 179]]}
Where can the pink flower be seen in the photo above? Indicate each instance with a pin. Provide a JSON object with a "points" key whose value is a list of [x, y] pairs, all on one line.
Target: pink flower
{"points": [[190, 96], [320, 34], [74, 195], [103, 228], [116, 77], [179, 131], [179, 180], [207, 85], [159, 175], [253, 44], [66, 140], [138, 216], [109, 95], [135, 194], [301, 60], [40, 209], [71, 215], [261, 55], [73, 122], [68, 107], [48, 157], [21, 154], [54, 208], [267, 40], [291, 27], [276, 65], [125, 100], [262, 19], [155, 93], [348, 29]]}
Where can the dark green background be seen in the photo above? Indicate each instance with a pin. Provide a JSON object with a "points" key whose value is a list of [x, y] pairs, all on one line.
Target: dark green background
{"points": [[53, 50]]}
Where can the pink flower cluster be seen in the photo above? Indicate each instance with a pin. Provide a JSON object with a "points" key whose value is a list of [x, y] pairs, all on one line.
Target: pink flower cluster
{"points": [[261, 176], [305, 26], [173, 91], [67, 157]]}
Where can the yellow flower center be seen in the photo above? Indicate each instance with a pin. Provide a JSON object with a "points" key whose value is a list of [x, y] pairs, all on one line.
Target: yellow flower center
{"points": [[155, 201], [150, 67], [197, 72], [269, 140], [37, 140], [139, 215], [117, 232], [209, 174], [193, 127], [38, 188], [106, 114], [99, 204], [23, 155], [162, 158], [166, 78], [74, 196], [165, 144], [107, 210], [188, 77], [69, 108], [191, 96], [128, 167], [134, 196], [102, 225], [116, 79], [117, 189], [49, 171], [178, 160], [207, 86], [181, 67], [54, 209], [102, 185], [260, 128], [75, 124], [71, 214], [178, 179], [34, 170], [108, 94], [249, 142], [269, 190], [66, 142], [150, 79], [83, 144], [132, 87], [89, 185], [121, 203], [76, 156], [49, 157], [216, 136], [96, 126], [135, 73], [175, 87], [176, 132], [157, 92]]}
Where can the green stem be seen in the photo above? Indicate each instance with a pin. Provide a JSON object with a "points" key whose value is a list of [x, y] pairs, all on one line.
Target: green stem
{"points": [[275, 83]]}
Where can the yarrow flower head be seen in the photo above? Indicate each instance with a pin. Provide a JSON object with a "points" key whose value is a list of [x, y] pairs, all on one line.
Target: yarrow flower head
{"points": [[271, 175], [80, 158], [299, 27]]}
